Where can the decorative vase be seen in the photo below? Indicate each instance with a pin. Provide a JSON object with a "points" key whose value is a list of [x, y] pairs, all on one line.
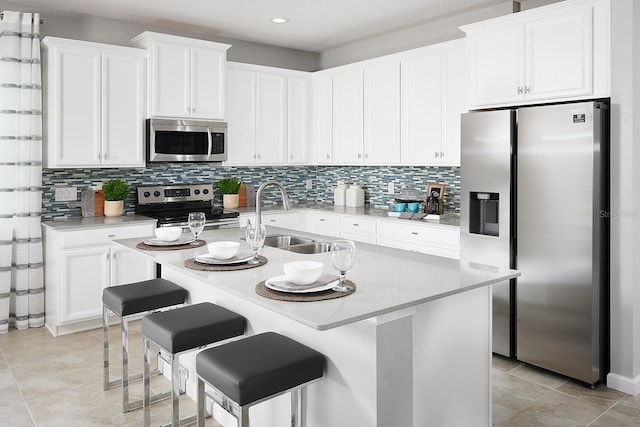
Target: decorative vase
{"points": [[230, 201], [113, 207]]}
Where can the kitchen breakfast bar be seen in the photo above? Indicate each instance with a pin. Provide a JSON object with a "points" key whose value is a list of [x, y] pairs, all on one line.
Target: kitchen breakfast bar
{"points": [[410, 347]]}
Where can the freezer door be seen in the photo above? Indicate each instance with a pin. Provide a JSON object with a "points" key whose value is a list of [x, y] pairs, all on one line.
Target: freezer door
{"points": [[485, 217], [558, 239]]}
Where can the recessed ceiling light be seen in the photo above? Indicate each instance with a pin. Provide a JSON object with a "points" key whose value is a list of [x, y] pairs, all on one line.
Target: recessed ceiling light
{"points": [[279, 20]]}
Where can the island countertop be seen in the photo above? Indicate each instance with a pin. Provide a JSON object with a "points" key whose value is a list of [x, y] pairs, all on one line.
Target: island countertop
{"points": [[387, 279]]}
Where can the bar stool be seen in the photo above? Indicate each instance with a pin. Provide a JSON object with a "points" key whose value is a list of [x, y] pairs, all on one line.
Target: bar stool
{"points": [[179, 331], [255, 369], [125, 301]]}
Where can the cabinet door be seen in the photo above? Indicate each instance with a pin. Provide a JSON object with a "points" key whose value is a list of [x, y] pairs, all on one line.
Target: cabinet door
{"points": [[241, 119], [85, 272], [129, 267], [382, 114], [496, 65], [207, 91], [453, 104], [421, 109], [323, 120], [74, 121], [559, 55], [347, 117], [170, 80], [298, 112], [123, 108], [271, 119]]}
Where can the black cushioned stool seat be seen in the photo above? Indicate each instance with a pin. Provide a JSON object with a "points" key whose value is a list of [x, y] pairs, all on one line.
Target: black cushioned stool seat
{"points": [[127, 300], [181, 330], [258, 367], [143, 296]]}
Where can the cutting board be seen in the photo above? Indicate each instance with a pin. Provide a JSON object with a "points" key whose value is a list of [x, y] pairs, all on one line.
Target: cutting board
{"points": [[242, 196], [98, 203]]}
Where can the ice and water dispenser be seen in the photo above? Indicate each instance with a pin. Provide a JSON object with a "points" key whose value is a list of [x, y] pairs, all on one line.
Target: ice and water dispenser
{"points": [[483, 213]]}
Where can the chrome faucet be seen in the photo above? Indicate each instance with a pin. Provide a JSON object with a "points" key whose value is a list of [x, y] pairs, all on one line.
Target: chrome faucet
{"points": [[285, 200]]}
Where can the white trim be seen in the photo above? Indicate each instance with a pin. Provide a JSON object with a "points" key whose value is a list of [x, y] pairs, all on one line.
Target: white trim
{"points": [[627, 385]]}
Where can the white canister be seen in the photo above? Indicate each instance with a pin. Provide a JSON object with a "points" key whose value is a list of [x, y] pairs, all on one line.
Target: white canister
{"points": [[355, 196], [340, 194]]}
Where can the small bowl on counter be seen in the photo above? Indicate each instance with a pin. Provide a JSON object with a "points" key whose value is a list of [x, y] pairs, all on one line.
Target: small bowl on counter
{"points": [[168, 234], [223, 249], [303, 272]]}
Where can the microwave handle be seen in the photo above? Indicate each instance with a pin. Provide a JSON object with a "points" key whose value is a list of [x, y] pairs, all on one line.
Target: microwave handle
{"points": [[210, 142]]}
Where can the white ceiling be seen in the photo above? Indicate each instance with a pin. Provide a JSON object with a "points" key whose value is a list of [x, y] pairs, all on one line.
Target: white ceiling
{"points": [[314, 26]]}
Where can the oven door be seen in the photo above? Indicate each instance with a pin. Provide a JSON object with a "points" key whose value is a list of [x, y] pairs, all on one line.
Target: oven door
{"points": [[174, 140]]}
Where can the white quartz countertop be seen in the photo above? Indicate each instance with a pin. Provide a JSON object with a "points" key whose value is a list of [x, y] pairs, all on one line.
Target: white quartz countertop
{"points": [[97, 221], [387, 279]]}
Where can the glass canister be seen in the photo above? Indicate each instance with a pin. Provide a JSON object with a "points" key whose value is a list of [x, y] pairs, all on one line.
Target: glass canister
{"points": [[355, 196], [340, 194]]}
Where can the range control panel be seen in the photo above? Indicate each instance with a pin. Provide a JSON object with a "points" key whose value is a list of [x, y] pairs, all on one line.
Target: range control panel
{"points": [[150, 194]]}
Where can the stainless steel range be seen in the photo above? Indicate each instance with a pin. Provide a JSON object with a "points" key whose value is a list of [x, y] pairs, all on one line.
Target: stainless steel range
{"points": [[171, 204]]}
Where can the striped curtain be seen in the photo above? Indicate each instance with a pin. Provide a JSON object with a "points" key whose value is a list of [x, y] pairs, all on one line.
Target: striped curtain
{"points": [[21, 278]]}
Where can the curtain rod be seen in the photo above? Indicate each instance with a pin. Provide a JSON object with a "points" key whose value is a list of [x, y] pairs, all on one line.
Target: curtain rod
{"points": [[2, 16]]}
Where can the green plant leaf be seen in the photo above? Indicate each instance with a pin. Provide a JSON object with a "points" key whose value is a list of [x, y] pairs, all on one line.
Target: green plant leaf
{"points": [[116, 189]]}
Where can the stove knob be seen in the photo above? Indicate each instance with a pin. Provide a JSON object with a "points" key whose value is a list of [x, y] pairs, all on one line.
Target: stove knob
{"points": [[156, 193], [205, 191], [147, 194], [196, 192]]}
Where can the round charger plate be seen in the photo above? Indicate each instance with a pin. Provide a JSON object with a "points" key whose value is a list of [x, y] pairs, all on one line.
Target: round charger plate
{"points": [[194, 265], [263, 291], [191, 245]]}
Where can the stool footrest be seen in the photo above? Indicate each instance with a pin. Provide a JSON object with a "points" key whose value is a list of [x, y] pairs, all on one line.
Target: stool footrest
{"points": [[132, 378], [184, 421]]}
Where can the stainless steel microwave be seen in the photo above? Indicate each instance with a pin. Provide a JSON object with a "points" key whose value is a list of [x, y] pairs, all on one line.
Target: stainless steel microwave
{"points": [[180, 140]]}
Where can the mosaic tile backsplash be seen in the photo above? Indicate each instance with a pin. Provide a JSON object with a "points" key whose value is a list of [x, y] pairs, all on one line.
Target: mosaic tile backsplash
{"points": [[374, 179]]}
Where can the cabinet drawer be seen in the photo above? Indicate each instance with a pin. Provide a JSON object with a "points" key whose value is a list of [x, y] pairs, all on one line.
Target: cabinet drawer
{"points": [[281, 219], [360, 237], [324, 220], [420, 233], [97, 236], [356, 224]]}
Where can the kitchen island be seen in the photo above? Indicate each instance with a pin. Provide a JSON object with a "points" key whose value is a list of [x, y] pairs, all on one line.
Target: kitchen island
{"points": [[411, 347]]}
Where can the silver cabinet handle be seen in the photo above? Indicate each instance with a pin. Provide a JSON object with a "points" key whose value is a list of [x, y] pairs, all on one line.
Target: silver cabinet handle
{"points": [[258, 156], [436, 154], [519, 90], [322, 219], [527, 89], [415, 233], [113, 256], [441, 154], [108, 255], [366, 156], [111, 235], [254, 156], [105, 156], [99, 156], [328, 156], [272, 220], [359, 155]]}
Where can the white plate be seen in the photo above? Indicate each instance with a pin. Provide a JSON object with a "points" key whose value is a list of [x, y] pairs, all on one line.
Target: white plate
{"points": [[281, 284], [240, 257], [181, 241]]}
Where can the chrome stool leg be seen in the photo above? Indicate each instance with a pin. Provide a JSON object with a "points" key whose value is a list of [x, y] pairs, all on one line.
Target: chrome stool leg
{"points": [[105, 345]]}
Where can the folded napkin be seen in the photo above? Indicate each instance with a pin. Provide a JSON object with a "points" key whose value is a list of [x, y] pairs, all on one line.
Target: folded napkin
{"points": [[282, 283]]}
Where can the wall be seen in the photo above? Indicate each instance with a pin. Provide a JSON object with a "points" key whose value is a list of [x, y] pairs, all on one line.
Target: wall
{"points": [[625, 197], [111, 31], [324, 179]]}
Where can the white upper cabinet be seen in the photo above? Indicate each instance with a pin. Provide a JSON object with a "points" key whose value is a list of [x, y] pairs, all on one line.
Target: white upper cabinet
{"points": [[268, 115], [382, 113], [96, 104], [186, 76], [323, 119], [347, 116], [433, 98], [551, 53], [299, 103]]}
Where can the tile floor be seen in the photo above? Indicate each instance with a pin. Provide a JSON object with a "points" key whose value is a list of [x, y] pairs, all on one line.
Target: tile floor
{"points": [[46, 381]]}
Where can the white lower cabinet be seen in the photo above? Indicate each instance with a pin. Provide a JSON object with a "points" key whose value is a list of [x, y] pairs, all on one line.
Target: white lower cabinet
{"points": [[424, 238], [324, 223], [79, 264], [358, 228]]}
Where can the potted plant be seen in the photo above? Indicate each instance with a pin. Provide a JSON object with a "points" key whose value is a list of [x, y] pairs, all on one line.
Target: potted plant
{"points": [[115, 191], [229, 188]]}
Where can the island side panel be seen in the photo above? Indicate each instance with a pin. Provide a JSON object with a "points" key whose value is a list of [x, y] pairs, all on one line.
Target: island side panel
{"points": [[452, 360]]}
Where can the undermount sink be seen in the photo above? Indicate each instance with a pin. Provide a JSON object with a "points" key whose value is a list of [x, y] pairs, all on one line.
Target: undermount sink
{"points": [[311, 248], [301, 245], [285, 240]]}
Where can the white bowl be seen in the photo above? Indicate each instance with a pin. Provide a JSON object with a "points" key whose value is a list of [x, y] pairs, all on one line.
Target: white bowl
{"points": [[168, 234], [303, 272], [223, 250]]}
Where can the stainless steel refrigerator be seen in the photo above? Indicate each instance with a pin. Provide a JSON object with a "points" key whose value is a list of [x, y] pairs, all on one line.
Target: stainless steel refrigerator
{"points": [[535, 197]]}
